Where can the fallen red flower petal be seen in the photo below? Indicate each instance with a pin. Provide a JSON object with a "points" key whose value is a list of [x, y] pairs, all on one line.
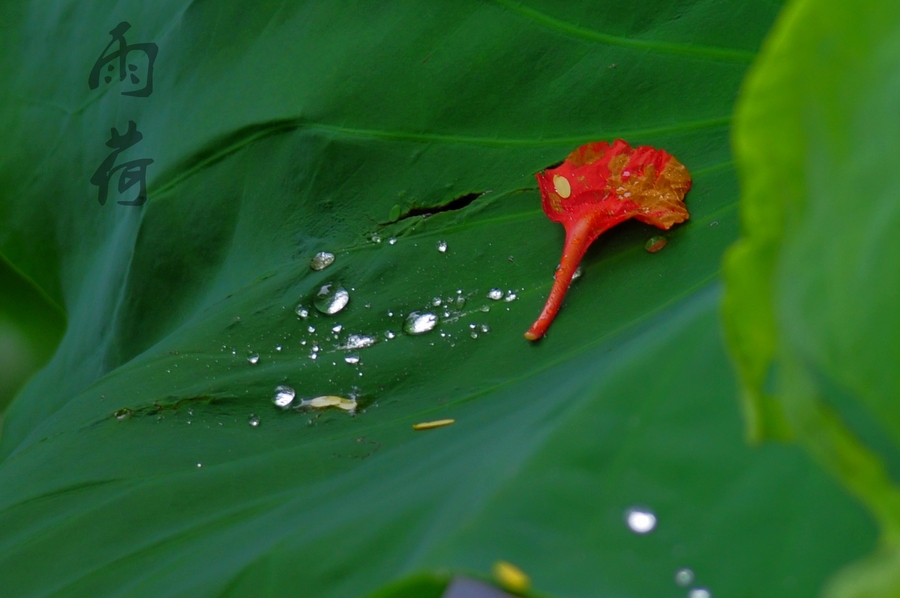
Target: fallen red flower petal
{"points": [[597, 187]]}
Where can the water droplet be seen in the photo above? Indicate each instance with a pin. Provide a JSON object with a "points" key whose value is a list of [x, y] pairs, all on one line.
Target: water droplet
{"points": [[278, 347], [253, 358], [321, 260], [313, 355], [436, 301], [375, 237], [389, 334], [655, 243], [331, 298], [578, 272], [352, 359], [390, 314], [199, 464], [284, 395], [495, 294], [699, 593], [684, 577], [419, 322], [460, 301], [337, 328], [301, 311], [640, 521], [392, 240], [123, 413], [442, 246], [253, 420], [714, 223], [358, 341], [510, 296], [485, 328], [311, 329], [473, 334]]}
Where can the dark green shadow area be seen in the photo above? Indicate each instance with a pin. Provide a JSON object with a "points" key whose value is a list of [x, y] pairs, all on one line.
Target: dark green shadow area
{"points": [[31, 327]]}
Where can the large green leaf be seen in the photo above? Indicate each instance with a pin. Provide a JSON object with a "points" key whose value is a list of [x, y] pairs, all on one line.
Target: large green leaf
{"points": [[283, 130], [812, 285]]}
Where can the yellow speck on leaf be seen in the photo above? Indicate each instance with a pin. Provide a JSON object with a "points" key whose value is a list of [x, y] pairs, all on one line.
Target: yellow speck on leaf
{"points": [[438, 423], [511, 577], [330, 401]]}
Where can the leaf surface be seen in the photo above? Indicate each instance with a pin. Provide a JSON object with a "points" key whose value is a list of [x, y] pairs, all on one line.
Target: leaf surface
{"points": [[290, 129]]}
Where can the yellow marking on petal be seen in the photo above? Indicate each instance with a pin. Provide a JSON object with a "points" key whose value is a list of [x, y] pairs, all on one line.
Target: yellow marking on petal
{"points": [[511, 577], [438, 423], [561, 186]]}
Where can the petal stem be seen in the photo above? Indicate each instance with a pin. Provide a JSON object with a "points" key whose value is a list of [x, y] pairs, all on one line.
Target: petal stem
{"points": [[579, 237]]}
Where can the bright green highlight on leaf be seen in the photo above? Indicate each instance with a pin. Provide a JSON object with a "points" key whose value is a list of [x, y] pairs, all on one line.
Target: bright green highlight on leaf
{"points": [[811, 302]]}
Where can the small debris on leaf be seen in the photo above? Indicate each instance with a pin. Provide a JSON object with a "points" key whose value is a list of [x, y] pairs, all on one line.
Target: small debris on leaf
{"points": [[511, 577], [329, 401], [656, 243], [438, 423]]}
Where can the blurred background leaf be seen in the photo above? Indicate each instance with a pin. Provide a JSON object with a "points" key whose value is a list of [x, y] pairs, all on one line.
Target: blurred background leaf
{"points": [[376, 133], [811, 305]]}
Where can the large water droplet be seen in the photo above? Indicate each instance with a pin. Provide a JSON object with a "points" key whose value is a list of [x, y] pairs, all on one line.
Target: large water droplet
{"points": [[358, 341], [331, 298], [253, 420], [419, 322], [253, 358], [495, 294], [699, 593], [442, 246], [301, 311], [641, 521], [684, 577], [284, 395], [321, 260]]}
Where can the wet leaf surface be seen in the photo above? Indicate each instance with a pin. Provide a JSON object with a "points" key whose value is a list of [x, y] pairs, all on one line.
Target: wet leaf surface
{"points": [[376, 135]]}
